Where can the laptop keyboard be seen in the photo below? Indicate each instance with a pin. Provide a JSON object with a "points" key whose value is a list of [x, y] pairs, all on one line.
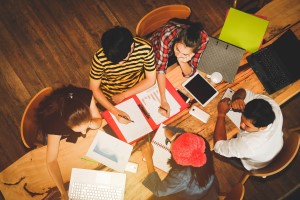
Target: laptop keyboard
{"points": [[272, 69], [83, 191]]}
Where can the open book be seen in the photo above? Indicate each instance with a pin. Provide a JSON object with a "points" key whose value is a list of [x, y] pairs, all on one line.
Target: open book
{"points": [[161, 153], [143, 111]]}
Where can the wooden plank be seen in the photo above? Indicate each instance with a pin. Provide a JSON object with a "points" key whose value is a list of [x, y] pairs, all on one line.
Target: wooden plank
{"points": [[287, 93]]}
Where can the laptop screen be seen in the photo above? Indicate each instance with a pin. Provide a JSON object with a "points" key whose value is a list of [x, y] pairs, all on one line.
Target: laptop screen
{"points": [[95, 184]]}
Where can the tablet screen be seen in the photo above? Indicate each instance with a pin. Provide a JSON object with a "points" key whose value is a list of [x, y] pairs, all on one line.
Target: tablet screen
{"points": [[200, 89]]}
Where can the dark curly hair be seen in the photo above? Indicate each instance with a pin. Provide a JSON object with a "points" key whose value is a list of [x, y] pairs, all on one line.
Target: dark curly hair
{"points": [[116, 43], [260, 112]]}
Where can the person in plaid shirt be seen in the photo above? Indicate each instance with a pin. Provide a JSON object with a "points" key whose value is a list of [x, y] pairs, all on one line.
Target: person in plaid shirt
{"points": [[181, 42]]}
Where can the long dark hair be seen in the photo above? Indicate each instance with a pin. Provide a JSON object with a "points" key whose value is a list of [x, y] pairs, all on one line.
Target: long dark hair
{"points": [[190, 36], [199, 174], [63, 103]]}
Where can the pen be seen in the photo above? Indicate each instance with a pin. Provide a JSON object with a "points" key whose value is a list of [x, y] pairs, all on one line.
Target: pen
{"points": [[124, 117], [84, 159], [163, 108]]}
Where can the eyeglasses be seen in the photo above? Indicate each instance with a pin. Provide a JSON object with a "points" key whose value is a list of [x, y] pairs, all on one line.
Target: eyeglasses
{"points": [[185, 56]]}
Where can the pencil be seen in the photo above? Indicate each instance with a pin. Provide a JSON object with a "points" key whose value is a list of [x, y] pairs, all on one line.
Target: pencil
{"points": [[163, 108], [124, 117], [84, 159]]}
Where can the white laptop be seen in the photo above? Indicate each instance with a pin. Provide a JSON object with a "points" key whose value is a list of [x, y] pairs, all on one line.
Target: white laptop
{"points": [[88, 184]]}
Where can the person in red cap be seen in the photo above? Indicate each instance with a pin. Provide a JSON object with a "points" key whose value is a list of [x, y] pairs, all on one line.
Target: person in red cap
{"points": [[192, 173]]}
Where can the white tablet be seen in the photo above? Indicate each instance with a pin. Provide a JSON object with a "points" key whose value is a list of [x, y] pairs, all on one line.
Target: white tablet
{"points": [[200, 89]]}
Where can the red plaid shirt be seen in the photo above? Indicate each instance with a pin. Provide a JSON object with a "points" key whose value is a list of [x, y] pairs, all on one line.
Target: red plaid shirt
{"points": [[162, 41]]}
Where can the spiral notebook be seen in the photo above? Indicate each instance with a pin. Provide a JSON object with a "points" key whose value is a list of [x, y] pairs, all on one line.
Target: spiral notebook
{"points": [[161, 153]]}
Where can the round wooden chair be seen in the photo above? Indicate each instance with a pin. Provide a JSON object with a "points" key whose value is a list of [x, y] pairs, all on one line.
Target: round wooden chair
{"points": [[236, 193], [29, 130], [157, 17], [281, 161]]}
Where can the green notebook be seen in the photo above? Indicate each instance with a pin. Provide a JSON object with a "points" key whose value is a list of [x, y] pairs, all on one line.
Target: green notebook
{"points": [[243, 30]]}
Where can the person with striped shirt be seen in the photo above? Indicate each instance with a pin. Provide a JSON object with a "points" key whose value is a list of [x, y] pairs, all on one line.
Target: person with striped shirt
{"points": [[124, 66], [178, 41]]}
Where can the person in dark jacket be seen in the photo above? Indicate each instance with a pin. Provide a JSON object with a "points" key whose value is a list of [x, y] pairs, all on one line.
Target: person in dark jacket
{"points": [[192, 173]]}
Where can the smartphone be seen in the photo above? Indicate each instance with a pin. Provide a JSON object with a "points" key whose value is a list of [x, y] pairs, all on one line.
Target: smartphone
{"points": [[183, 96]]}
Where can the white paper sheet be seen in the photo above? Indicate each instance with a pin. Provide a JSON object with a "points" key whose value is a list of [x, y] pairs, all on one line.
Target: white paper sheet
{"points": [[136, 129], [110, 151], [235, 117], [151, 101]]}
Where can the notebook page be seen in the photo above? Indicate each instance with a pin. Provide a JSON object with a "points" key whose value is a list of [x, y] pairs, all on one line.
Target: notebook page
{"points": [[136, 129], [161, 153], [150, 99]]}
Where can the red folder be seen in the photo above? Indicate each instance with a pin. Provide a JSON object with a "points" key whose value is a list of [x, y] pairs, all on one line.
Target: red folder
{"points": [[111, 122]]}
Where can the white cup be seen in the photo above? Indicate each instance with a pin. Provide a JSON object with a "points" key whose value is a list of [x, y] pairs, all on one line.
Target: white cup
{"points": [[215, 77]]}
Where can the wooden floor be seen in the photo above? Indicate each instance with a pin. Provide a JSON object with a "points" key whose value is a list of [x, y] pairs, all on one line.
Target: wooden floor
{"points": [[45, 43]]}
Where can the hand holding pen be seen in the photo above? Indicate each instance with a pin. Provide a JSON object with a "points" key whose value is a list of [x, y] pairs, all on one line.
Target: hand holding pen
{"points": [[164, 109], [121, 116], [124, 117]]}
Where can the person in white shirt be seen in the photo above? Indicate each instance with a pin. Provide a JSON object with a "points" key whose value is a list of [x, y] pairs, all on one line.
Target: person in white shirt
{"points": [[260, 138]]}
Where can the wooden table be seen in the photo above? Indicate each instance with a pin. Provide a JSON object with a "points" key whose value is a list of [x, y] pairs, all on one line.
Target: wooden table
{"points": [[27, 178]]}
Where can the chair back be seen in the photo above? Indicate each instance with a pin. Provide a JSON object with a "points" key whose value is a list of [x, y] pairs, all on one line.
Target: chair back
{"points": [[29, 128], [283, 159], [236, 193], [157, 17]]}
